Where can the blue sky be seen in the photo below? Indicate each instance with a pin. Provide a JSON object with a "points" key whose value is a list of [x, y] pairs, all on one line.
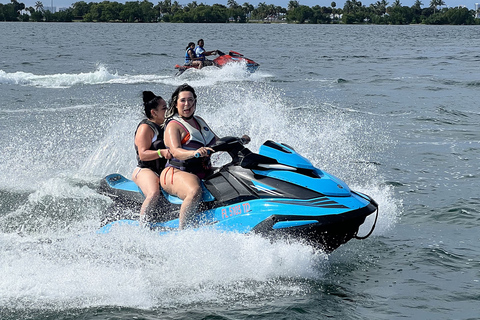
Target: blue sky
{"points": [[470, 4]]}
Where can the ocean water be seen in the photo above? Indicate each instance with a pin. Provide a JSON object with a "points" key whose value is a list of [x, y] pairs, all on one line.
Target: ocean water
{"points": [[391, 110]]}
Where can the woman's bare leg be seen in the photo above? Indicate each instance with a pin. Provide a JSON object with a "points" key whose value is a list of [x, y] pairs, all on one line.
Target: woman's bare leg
{"points": [[186, 186], [149, 183]]}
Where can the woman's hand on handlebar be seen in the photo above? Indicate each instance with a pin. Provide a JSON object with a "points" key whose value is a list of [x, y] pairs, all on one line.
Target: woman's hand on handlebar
{"points": [[203, 152]]}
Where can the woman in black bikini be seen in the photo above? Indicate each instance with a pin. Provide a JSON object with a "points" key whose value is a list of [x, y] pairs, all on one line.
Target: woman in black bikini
{"points": [[151, 152]]}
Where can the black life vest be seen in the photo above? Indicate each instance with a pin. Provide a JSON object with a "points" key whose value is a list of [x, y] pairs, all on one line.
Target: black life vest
{"points": [[157, 143]]}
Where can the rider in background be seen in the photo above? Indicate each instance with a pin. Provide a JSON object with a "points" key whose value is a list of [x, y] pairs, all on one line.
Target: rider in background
{"points": [[201, 53], [191, 58]]}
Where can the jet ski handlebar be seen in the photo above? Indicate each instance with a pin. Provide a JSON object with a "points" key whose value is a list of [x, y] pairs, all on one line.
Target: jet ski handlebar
{"points": [[232, 145], [241, 155]]}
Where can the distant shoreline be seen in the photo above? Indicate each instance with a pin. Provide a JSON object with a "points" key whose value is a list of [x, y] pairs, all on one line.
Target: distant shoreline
{"points": [[353, 12]]}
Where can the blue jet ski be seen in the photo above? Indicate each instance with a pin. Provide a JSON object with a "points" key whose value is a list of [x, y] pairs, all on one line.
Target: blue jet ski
{"points": [[276, 193]]}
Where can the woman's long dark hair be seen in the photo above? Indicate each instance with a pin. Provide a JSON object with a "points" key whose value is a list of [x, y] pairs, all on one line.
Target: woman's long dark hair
{"points": [[150, 101], [172, 106], [189, 45]]}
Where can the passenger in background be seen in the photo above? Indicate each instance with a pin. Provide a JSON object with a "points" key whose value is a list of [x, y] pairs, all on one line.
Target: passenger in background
{"points": [[201, 54], [191, 58], [151, 152], [188, 139]]}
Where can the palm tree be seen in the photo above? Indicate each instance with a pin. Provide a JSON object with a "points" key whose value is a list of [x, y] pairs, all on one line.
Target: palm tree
{"points": [[418, 4], [333, 5], [348, 6], [192, 5], [378, 8], [436, 3], [292, 4], [384, 6], [247, 7], [39, 6], [271, 11], [232, 4], [176, 7], [352, 6], [165, 6]]}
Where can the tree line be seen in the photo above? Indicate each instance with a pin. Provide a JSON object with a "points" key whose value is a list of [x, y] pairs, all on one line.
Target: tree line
{"points": [[353, 12]]}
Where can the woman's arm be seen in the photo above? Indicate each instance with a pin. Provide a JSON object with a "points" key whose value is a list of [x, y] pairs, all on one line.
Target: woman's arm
{"points": [[143, 141], [192, 56], [174, 133]]}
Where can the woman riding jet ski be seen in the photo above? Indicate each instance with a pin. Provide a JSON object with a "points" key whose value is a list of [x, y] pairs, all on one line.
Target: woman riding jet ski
{"points": [[222, 60], [276, 193]]}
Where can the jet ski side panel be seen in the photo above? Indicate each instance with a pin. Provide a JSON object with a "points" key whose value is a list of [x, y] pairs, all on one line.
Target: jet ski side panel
{"points": [[323, 222]]}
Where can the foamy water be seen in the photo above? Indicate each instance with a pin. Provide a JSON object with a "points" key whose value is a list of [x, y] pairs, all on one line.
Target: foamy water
{"points": [[57, 260], [397, 122]]}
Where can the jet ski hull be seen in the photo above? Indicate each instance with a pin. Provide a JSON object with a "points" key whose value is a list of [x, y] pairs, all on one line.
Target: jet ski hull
{"points": [[280, 197], [224, 59]]}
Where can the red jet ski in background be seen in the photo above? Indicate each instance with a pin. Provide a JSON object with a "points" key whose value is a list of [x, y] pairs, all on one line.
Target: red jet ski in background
{"points": [[222, 60]]}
